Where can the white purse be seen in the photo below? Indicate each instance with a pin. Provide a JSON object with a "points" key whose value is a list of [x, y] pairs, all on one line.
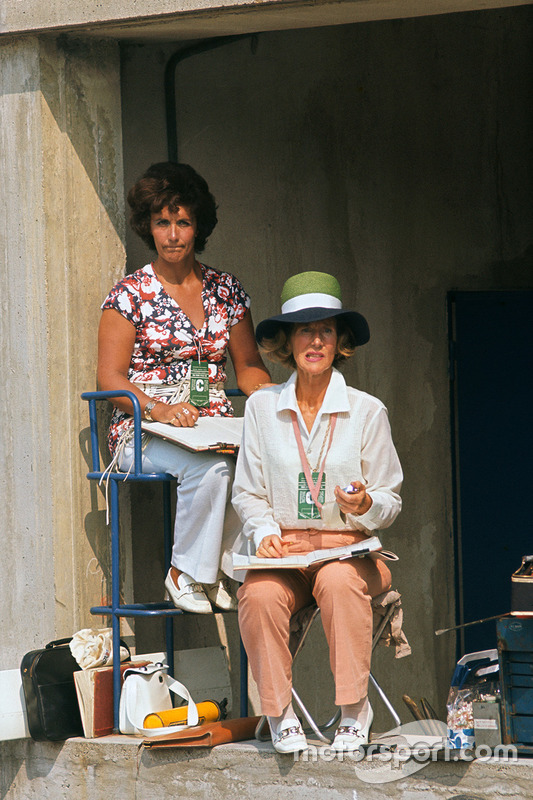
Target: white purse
{"points": [[146, 690]]}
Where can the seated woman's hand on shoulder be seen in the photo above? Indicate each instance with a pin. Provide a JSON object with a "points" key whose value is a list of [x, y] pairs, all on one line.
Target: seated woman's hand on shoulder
{"points": [[272, 546], [182, 415]]}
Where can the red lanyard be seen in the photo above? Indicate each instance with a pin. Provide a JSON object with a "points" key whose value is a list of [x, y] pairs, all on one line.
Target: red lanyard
{"points": [[313, 488]]}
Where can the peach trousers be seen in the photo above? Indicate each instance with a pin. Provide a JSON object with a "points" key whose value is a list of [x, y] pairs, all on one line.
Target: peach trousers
{"points": [[343, 591]]}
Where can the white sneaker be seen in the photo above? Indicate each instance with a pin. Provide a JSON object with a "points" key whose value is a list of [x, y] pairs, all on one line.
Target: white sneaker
{"points": [[187, 594], [288, 737], [221, 595]]}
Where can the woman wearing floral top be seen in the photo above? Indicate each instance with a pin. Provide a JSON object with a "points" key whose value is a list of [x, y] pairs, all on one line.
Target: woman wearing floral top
{"points": [[156, 324]]}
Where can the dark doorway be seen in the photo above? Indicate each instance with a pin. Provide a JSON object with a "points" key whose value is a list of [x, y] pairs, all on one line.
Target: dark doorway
{"points": [[491, 337]]}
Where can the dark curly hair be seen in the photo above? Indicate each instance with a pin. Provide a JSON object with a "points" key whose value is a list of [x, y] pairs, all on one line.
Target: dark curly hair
{"points": [[279, 349], [173, 185]]}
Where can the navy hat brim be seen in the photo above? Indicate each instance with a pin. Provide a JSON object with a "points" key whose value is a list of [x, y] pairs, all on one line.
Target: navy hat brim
{"points": [[268, 328]]}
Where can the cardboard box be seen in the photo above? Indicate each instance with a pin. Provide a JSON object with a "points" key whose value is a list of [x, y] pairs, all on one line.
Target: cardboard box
{"points": [[94, 688], [487, 723]]}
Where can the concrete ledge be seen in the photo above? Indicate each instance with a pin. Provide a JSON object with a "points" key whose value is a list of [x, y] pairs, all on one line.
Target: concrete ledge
{"points": [[174, 20], [118, 767]]}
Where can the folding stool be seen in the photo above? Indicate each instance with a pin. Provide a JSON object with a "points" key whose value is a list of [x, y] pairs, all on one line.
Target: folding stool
{"points": [[301, 624]]}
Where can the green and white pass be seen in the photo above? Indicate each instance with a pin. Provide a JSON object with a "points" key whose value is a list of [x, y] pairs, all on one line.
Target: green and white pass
{"points": [[200, 383], [306, 506]]}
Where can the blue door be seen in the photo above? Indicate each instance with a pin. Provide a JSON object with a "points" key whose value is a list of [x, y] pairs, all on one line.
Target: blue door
{"points": [[491, 337]]}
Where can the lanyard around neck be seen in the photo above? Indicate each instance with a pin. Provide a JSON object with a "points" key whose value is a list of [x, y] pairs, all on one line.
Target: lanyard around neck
{"points": [[313, 488]]}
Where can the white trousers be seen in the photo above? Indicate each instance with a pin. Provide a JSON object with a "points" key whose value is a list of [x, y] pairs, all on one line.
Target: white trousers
{"points": [[205, 519]]}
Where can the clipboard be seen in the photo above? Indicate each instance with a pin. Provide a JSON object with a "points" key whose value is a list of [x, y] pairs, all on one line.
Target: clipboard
{"points": [[210, 434]]}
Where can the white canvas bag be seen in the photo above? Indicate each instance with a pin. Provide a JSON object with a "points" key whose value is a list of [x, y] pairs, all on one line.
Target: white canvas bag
{"points": [[146, 690]]}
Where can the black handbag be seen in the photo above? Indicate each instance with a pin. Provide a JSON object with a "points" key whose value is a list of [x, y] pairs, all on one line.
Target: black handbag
{"points": [[50, 694]]}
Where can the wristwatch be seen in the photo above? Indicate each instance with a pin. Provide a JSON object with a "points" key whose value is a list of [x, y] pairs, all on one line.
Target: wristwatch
{"points": [[147, 414]]}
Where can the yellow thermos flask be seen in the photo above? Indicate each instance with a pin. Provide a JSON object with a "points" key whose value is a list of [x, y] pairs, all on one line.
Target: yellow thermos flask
{"points": [[208, 711]]}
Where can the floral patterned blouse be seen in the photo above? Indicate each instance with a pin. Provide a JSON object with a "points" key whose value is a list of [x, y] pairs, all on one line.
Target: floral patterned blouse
{"points": [[166, 340]]}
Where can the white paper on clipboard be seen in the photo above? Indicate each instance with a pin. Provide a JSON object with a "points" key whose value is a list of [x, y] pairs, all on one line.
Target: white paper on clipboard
{"points": [[209, 433]]}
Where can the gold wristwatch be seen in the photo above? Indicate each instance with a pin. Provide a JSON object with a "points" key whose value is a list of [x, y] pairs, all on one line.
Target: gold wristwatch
{"points": [[147, 413]]}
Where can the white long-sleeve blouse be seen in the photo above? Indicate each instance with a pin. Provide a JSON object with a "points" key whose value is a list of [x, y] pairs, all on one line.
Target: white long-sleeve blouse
{"points": [[265, 490]]}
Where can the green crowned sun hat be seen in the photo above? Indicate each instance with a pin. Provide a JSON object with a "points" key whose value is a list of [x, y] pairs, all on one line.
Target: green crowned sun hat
{"points": [[309, 297]]}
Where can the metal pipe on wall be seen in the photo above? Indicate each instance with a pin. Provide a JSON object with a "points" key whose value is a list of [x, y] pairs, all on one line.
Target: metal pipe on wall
{"points": [[170, 81]]}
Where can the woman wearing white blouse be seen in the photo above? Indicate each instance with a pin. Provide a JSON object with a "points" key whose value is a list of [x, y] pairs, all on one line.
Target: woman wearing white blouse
{"points": [[303, 441]]}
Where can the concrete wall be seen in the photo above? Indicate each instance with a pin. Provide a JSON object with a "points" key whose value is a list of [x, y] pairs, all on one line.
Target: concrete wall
{"points": [[61, 246], [120, 767], [396, 155]]}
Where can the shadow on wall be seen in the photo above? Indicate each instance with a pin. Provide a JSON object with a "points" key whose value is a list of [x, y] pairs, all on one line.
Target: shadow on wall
{"points": [[96, 529], [76, 73]]}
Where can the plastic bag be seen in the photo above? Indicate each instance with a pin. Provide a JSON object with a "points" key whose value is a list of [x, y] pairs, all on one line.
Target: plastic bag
{"points": [[475, 678], [93, 647]]}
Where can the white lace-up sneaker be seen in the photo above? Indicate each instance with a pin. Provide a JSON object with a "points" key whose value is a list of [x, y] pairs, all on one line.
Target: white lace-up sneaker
{"points": [[187, 594]]}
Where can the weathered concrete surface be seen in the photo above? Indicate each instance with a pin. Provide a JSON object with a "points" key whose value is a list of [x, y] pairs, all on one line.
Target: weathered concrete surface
{"points": [[168, 20], [25, 451], [111, 767], [61, 247]]}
